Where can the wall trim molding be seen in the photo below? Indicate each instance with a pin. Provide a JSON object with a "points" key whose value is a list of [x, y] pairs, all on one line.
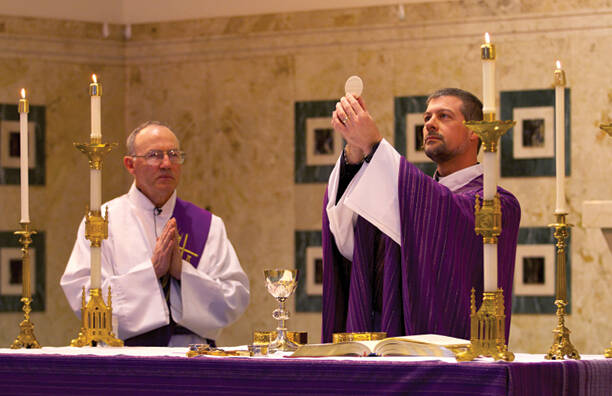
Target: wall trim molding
{"points": [[393, 35]]}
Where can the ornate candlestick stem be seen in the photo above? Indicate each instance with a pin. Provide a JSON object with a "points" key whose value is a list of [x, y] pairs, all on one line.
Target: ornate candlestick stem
{"points": [[96, 315], [488, 334], [26, 337], [561, 343]]}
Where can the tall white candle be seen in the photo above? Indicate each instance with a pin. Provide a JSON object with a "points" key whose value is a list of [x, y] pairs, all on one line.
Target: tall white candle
{"points": [[487, 55], [490, 268], [23, 157], [95, 175], [96, 269], [559, 82], [95, 91], [489, 160], [95, 189]]}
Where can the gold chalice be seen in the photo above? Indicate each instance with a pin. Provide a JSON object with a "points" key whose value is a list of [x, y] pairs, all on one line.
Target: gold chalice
{"points": [[281, 283]]}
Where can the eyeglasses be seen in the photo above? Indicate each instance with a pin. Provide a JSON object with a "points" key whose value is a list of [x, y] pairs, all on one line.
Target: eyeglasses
{"points": [[155, 157]]}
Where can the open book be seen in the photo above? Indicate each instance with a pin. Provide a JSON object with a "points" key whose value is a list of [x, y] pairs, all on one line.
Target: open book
{"points": [[414, 345]]}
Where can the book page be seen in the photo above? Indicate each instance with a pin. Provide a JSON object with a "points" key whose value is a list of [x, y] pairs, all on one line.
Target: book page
{"points": [[421, 345], [435, 339], [354, 348]]}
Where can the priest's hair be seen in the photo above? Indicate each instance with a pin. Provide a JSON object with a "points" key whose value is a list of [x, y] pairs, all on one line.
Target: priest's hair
{"points": [[471, 107], [129, 143]]}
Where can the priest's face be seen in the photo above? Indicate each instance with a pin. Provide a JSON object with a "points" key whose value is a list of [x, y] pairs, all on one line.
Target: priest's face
{"points": [[444, 135], [155, 179]]}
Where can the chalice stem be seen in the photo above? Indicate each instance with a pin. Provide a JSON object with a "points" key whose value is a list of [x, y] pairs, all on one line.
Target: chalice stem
{"points": [[281, 329]]}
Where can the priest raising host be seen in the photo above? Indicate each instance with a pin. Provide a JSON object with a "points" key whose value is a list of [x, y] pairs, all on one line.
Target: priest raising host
{"points": [[174, 275], [400, 251]]}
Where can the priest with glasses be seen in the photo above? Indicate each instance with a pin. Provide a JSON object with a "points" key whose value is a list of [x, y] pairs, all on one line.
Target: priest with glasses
{"points": [[174, 275]]}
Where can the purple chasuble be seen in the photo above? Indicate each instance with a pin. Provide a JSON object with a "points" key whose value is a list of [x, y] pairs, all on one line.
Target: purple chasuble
{"points": [[193, 225], [427, 281]]}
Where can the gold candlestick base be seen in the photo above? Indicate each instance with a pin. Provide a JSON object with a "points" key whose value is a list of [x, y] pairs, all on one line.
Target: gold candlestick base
{"points": [[488, 329], [97, 321], [561, 346], [26, 337]]}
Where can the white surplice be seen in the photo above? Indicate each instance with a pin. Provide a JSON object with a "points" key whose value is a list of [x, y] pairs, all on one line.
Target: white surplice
{"points": [[373, 195], [216, 293]]}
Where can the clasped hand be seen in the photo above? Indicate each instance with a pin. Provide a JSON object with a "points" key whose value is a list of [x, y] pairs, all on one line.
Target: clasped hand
{"points": [[353, 121], [166, 255]]}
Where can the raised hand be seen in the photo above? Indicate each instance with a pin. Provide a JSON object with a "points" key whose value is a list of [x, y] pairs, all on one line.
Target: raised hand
{"points": [[354, 122]]}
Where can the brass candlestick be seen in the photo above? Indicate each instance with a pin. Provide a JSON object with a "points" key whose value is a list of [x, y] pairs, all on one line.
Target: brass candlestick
{"points": [[26, 337], [97, 321], [96, 315], [561, 343], [487, 328], [608, 129], [487, 325]]}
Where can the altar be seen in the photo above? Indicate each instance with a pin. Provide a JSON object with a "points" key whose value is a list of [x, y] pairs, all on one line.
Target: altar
{"points": [[135, 370]]}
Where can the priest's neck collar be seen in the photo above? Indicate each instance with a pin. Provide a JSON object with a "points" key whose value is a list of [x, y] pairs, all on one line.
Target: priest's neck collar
{"points": [[458, 179], [139, 200]]}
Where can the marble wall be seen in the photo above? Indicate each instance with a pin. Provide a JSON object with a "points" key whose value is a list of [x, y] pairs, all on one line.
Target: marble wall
{"points": [[228, 87]]}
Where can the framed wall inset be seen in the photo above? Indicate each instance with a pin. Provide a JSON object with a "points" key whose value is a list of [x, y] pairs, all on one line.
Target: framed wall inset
{"points": [[309, 262], [408, 134], [11, 272], [528, 149], [10, 144], [535, 271], [317, 146]]}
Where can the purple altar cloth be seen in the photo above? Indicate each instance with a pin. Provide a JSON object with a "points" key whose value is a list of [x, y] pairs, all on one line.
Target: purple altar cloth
{"points": [[568, 377], [60, 374]]}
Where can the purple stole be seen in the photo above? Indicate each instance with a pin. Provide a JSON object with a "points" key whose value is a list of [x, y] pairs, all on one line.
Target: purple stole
{"points": [[426, 283], [193, 225]]}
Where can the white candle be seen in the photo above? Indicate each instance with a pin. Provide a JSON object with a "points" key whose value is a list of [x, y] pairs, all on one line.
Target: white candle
{"points": [[96, 269], [95, 176], [95, 189], [487, 54], [490, 268], [559, 78], [95, 91], [489, 160], [23, 157]]}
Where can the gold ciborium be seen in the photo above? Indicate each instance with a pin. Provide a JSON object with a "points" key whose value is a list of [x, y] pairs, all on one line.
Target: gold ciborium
{"points": [[281, 284]]}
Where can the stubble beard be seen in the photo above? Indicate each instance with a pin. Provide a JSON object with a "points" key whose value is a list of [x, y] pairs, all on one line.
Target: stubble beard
{"points": [[440, 153]]}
